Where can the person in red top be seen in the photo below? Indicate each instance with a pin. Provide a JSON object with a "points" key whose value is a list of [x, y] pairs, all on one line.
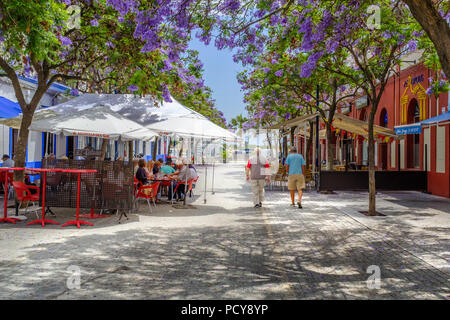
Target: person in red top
{"points": [[257, 171]]}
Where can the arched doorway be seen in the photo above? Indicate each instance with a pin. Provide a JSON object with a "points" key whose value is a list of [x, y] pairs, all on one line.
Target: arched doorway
{"points": [[383, 122], [413, 140]]}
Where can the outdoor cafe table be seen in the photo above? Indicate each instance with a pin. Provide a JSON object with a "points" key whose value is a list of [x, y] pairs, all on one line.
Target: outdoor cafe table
{"points": [[5, 216], [78, 222], [165, 179], [43, 221]]}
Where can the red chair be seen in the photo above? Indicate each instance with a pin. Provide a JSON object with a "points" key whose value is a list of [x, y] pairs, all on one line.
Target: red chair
{"points": [[190, 181], [142, 194], [190, 191], [24, 194]]}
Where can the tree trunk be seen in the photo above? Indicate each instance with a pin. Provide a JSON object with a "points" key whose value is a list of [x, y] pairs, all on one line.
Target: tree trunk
{"points": [[21, 148], [155, 149], [293, 137], [285, 147], [330, 156], [130, 153], [437, 29], [372, 188], [182, 148], [309, 144], [169, 146], [269, 142], [104, 147]]}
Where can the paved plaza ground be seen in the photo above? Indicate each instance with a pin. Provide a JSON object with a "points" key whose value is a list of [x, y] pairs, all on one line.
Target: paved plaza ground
{"points": [[226, 249]]}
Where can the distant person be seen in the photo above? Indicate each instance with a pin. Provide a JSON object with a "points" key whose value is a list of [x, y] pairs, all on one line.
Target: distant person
{"points": [[256, 172], [7, 162], [295, 166]]}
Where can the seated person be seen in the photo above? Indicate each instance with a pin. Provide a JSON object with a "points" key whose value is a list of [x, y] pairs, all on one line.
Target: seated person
{"points": [[181, 176], [7, 162], [149, 169], [167, 168], [136, 164], [156, 167], [194, 174], [141, 176]]}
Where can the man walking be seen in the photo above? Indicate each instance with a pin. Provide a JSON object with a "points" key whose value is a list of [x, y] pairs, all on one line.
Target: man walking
{"points": [[256, 172], [295, 166]]}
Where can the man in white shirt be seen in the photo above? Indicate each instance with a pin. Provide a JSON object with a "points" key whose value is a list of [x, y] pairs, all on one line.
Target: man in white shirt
{"points": [[257, 171]]}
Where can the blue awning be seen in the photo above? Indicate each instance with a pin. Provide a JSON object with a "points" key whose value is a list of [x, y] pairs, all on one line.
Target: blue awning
{"points": [[439, 118], [9, 109]]}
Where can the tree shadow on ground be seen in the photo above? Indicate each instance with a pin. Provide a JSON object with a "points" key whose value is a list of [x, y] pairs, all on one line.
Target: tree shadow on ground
{"points": [[228, 262]]}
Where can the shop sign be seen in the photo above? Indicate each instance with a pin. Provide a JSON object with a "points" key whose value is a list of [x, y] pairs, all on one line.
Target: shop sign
{"points": [[414, 80], [412, 129]]}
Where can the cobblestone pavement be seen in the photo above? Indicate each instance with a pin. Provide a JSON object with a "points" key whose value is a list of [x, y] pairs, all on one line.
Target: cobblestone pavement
{"points": [[226, 249]]}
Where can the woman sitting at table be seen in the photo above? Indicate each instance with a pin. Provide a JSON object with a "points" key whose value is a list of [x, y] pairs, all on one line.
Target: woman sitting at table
{"points": [[156, 167], [149, 170], [141, 173]]}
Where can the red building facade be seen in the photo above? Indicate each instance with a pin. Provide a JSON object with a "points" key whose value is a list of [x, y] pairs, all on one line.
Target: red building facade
{"points": [[404, 101]]}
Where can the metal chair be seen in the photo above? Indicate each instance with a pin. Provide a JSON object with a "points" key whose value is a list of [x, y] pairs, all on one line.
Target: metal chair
{"points": [[143, 193], [24, 194]]}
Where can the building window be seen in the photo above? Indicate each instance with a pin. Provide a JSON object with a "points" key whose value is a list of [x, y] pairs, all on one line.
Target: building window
{"points": [[383, 118]]}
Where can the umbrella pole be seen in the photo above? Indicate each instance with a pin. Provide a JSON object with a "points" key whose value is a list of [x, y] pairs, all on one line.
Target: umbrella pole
{"points": [[206, 176], [187, 169], [213, 178]]}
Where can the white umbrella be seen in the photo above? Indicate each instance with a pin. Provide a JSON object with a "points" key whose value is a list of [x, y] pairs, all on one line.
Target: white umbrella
{"points": [[192, 126], [98, 121], [143, 110]]}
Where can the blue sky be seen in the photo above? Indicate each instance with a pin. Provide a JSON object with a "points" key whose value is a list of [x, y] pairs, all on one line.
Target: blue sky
{"points": [[220, 75]]}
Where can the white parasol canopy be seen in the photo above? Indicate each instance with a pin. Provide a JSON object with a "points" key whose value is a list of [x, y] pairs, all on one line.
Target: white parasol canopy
{"points": [[143, 110], [99, 121], [192, 126]]}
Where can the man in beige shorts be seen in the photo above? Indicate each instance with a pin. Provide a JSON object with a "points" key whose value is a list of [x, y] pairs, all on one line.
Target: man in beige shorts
{"points": [[295, 166]]}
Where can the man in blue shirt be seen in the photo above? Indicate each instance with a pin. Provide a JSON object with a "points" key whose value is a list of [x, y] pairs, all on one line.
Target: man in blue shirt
{"points": [[295, 166]]}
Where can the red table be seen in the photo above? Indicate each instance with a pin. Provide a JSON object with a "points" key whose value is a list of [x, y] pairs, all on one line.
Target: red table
{"points": [[42, 220], [5, 216], [78, 222]]}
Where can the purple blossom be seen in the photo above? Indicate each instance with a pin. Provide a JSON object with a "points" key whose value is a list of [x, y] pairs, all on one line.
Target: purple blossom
{"points": [[133, 88], [412, 45], [74, 92], [166, 94], [94, 23], [65, 41], [279, 73], [232, 5]]}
